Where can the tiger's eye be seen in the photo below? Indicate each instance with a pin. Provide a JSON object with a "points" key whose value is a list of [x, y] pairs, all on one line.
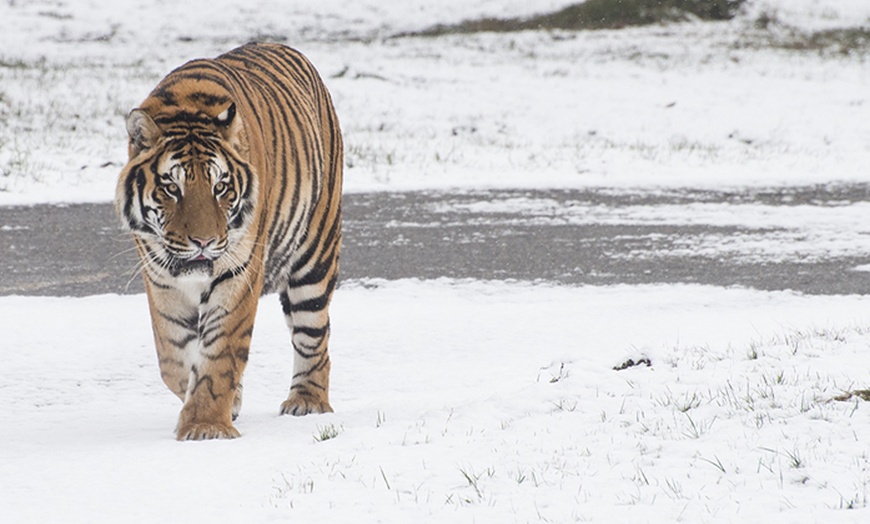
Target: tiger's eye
{"points": [[172, 189], [220, 187]]}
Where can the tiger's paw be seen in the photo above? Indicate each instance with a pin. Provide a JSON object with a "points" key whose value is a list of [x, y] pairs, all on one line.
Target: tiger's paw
{"points": [[297, 405], [206, 431]]}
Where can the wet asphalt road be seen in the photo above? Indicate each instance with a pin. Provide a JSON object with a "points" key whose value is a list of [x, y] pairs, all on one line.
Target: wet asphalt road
{"points": [[79, 250]]}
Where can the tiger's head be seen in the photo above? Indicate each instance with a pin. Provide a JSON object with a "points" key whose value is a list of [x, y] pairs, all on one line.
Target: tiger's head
{"points": [[186, 193]]}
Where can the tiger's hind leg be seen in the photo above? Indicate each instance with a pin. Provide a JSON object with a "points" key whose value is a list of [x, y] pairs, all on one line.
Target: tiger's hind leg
{"points": [[305, 307], [237, 401]]}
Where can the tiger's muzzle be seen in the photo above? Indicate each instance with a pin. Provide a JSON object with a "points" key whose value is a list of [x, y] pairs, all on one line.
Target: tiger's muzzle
{"points": [[197, 257]]}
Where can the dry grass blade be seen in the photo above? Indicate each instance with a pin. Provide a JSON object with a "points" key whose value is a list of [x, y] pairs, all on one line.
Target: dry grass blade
{"points": [[863, 394]]}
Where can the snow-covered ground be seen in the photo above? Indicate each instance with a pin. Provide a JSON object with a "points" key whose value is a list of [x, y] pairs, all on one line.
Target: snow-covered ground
{"points": [[463, 401], [703, 104], [457, 402]]}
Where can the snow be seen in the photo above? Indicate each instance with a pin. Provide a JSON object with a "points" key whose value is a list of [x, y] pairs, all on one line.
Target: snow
{"points": [[466, 401], [492, 402], [800, 232], [699, 104]]}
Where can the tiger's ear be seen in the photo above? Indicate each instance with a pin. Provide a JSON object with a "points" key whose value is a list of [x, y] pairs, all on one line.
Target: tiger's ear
{"points": [[231, 128], [225, 119], [143, 131]]}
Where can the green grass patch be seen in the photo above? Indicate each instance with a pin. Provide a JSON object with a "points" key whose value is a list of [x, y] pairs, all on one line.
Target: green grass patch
{"points": [[774, 33], [599, 14], [844, 41]]}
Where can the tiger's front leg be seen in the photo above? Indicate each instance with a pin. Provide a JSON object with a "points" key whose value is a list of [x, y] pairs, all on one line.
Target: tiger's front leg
{"points": [[214, 383], [306, 313], [174, 319]]}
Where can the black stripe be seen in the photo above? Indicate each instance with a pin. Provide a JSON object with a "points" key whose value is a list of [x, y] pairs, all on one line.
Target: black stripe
{"points": [[285, 303], [312, 332], [186, 323], [226, 275], [317, 303], [207, 380], [182, 343], [322, 363]]}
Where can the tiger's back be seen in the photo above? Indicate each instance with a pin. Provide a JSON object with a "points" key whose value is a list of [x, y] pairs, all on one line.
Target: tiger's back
{"points": [[233, 190], [314, 132]]}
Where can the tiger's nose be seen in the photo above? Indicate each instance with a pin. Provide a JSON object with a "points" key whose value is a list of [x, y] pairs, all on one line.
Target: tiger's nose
{"points": [[202, 242]]}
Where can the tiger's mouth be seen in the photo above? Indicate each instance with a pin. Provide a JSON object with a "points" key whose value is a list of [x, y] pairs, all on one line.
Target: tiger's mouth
{"points": [[199, 265]]}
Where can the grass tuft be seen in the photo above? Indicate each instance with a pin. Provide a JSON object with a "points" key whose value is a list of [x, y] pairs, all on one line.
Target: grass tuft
{"points": [[327, 432], [863, 394]]}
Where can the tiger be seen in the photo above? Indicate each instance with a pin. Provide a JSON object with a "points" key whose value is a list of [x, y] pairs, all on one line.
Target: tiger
{"points": [[232, 190]]}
